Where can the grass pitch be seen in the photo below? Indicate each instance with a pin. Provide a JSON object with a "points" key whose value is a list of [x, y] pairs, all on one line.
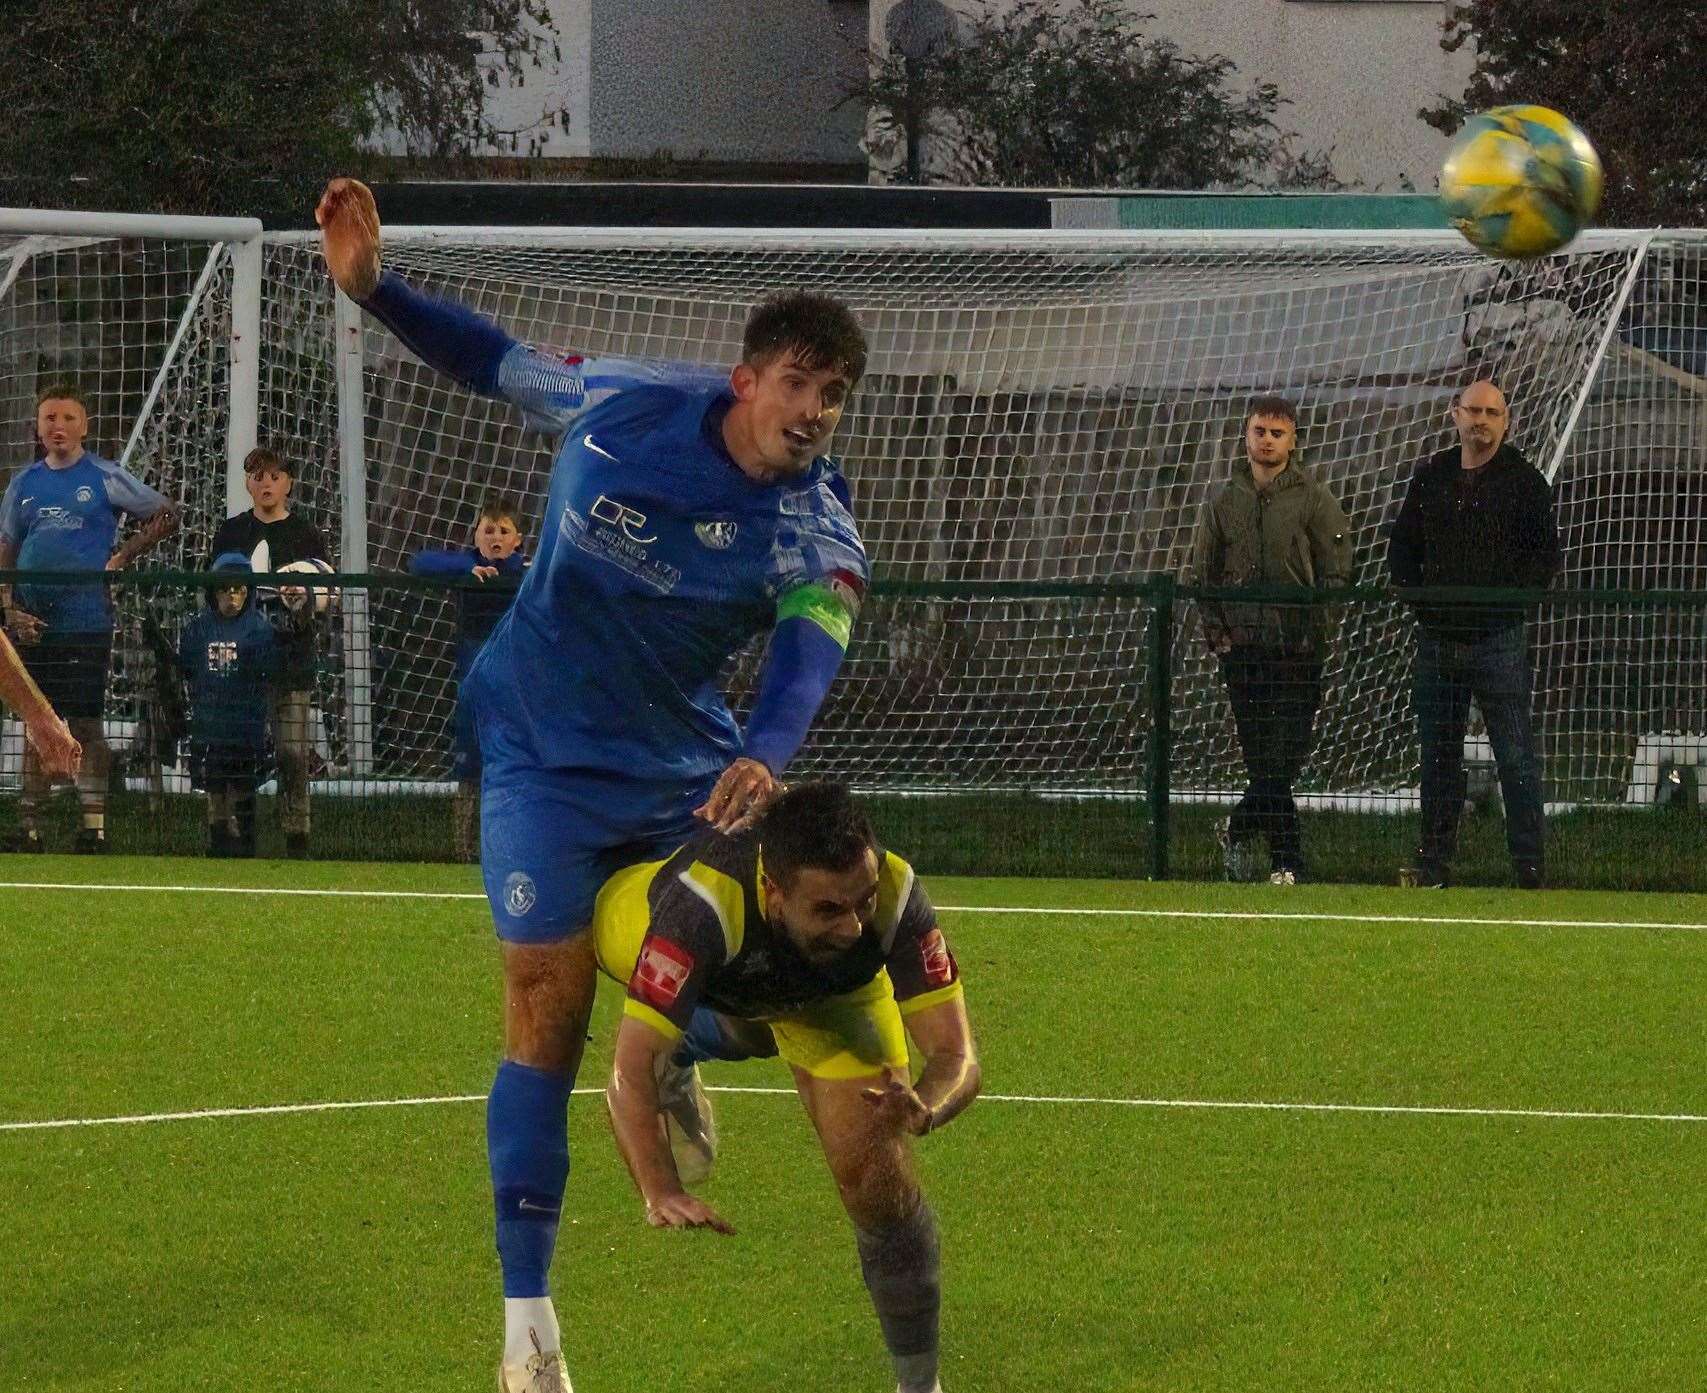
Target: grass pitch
{"points": [[1114, 1215]]}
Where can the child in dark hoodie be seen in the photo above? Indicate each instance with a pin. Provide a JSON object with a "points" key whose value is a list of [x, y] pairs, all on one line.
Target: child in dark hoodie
{"points": [[228, 653], [496, 561]]}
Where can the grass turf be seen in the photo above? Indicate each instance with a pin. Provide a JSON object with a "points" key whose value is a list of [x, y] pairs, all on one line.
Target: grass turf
{"points": [[1088, 1246], [1593, 848]]}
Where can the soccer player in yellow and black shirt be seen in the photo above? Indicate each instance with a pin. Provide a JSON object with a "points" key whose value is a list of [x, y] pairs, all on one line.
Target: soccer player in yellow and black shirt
{"points": [[804, 938]]}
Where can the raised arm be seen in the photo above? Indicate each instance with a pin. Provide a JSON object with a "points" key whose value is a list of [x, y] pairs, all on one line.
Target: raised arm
{"points": [[551, 392]]}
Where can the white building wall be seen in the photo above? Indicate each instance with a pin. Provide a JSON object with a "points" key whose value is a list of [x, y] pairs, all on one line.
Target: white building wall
{"points": [[1355, 72], [734, 79], [552, 86]]}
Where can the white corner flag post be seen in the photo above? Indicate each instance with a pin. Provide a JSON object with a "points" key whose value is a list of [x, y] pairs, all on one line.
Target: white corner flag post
{"points": [[352, 552]]}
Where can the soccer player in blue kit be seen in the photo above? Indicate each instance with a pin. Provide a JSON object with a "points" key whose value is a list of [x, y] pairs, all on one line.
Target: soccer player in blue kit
{"points": [[689, 511]]}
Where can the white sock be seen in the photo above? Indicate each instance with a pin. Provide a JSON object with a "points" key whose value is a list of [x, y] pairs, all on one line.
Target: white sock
{"points": [[525, 1317]]}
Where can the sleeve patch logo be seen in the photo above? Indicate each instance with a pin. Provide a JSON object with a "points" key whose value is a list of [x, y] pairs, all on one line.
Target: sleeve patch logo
{"points": [[939, 962], [848, 588], [718, 535], [660, 973]]}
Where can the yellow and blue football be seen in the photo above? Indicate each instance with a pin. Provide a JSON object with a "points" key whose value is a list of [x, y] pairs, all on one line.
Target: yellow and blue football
{"points": [[1520, 181]]}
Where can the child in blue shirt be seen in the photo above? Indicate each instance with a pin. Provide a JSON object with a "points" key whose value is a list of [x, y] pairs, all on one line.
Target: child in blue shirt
{"points": [[496, 561], [229, 654]]}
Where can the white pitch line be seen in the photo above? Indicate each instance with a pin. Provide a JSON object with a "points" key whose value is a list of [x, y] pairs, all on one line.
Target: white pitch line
{"points": [[1342, 918], [250, 890], [1298, 916], [1068, 1100]]}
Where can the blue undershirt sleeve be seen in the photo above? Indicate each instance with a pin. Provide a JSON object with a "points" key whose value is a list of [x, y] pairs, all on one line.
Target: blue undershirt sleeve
{"points": [[441, 563], [442, 334], [802, 663], [552, 392]]}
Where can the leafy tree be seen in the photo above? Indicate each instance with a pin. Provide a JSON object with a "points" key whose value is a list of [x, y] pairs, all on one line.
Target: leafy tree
{"points": [[1031, 93], [233, 106], [1628, 71]]}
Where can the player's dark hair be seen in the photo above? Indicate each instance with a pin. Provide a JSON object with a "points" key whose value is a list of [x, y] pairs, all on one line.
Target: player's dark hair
{"points": [[1272, 407], [61, 391], [817, 825], [265, 460], [499, 507], [818, 330]]}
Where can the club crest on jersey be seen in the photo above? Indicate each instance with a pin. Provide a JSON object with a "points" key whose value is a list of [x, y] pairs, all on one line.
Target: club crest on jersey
{"points": [[660, 973], [85, 494], [520, 894], [719, 536]]}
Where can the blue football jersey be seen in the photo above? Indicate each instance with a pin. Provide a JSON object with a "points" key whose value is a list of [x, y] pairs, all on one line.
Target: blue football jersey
{"points": [[68, 520], [658, 559]]}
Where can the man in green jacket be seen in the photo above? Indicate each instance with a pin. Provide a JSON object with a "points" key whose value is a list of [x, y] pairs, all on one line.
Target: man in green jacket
{"points": [[1270, 525]]}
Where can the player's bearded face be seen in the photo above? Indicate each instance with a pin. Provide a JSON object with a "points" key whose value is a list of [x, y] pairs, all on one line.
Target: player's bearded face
{"points": [[826, 912], [792, 409]]}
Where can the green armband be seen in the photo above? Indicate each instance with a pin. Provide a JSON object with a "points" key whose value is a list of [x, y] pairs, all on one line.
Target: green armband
{"points": [[820, 604]]}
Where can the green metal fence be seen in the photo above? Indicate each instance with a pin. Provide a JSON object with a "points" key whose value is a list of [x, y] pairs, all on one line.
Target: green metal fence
{"points": [[1013, 728]]}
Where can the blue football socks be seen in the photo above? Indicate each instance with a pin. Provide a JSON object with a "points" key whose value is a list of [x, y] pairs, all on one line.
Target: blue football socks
{"points": [[527, 1145]]}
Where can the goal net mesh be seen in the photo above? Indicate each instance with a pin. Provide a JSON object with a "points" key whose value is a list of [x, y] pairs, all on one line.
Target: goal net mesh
{"points": [[1046, 411]]}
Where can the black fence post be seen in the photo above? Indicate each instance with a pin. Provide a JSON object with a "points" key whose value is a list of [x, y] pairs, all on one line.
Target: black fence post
{"points": [[1161, 597]]}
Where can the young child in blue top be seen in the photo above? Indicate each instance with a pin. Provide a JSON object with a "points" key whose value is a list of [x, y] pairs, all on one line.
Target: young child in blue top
{"points": [[229, 654], [495, 560]]}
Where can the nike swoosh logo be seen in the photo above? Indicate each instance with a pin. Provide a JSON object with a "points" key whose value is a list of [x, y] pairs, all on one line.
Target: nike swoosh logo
{"points": [[587, 440], [529, 1207]]}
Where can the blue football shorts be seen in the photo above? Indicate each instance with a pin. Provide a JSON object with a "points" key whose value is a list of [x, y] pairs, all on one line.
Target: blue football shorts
{"points": [[549, 838]]}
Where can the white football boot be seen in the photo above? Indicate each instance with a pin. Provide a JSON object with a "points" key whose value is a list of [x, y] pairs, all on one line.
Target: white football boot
{"points": [[540, 1373]]}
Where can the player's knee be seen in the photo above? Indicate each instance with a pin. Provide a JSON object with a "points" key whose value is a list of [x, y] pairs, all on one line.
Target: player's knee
{"points": [[878, 1187], [548, 996]]}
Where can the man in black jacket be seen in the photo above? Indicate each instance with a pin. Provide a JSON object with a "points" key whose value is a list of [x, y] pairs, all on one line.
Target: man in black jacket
{"points": [[1476, 514]]}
